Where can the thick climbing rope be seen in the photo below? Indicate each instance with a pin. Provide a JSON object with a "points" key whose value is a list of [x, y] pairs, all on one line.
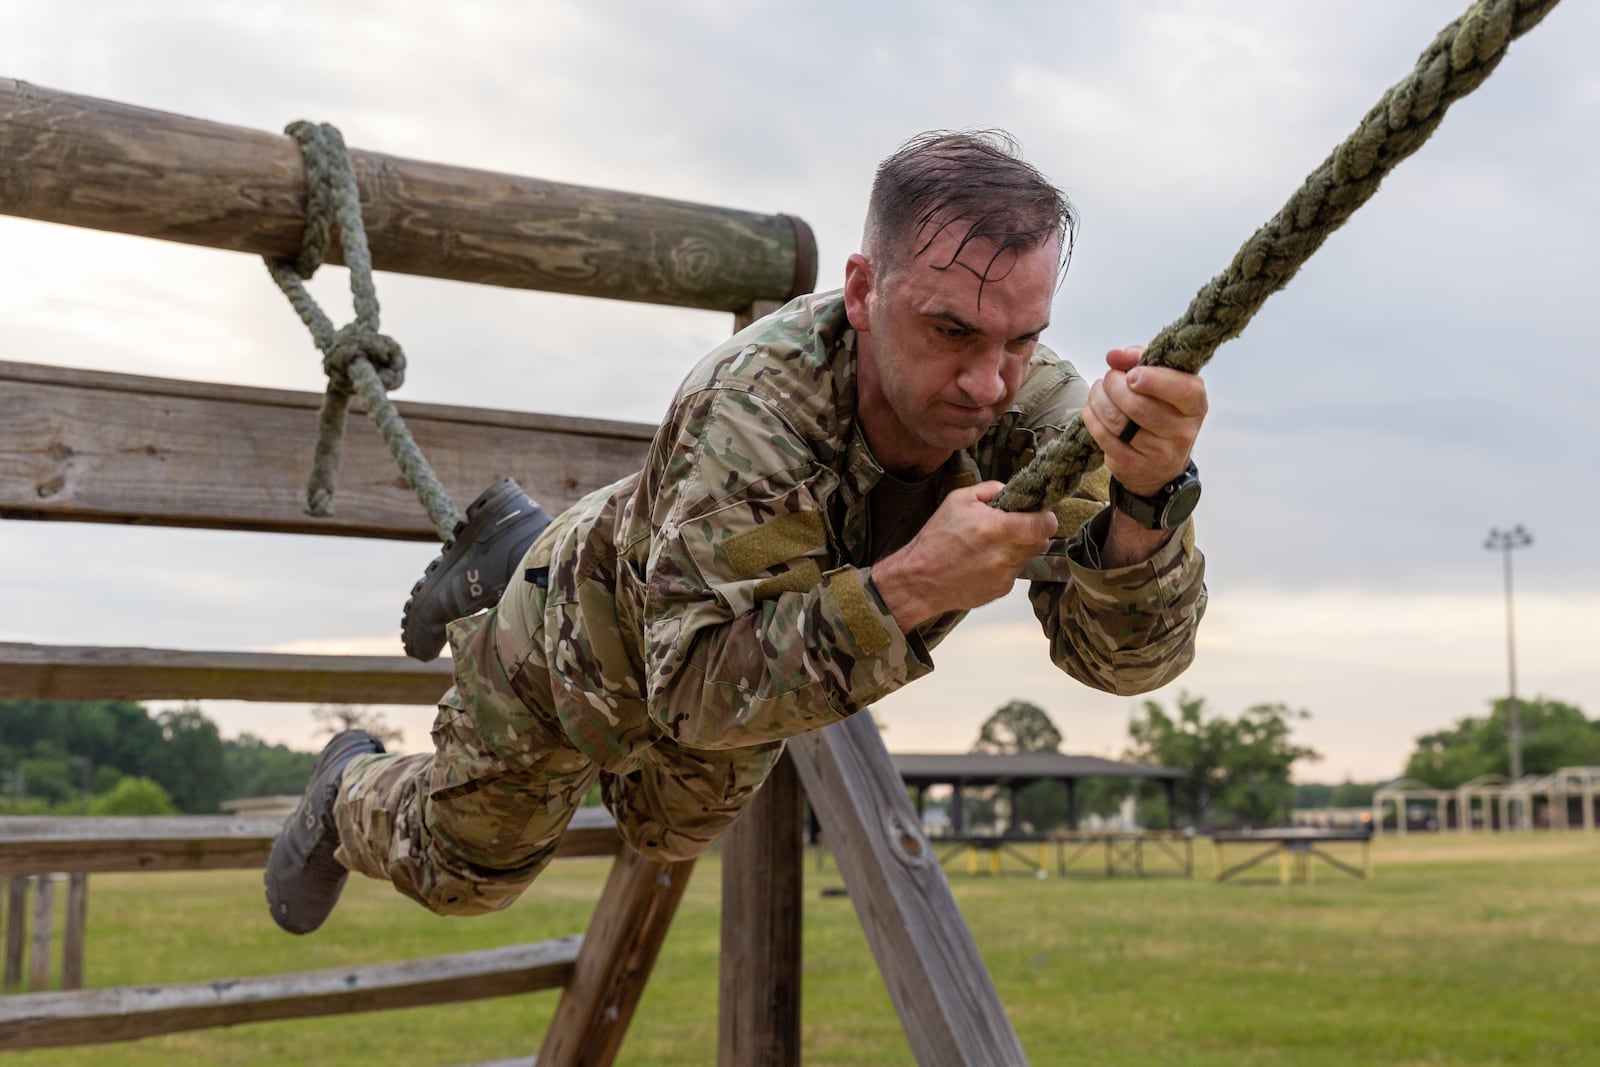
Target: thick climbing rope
{"points": [[1457, 62], [355, 357]]}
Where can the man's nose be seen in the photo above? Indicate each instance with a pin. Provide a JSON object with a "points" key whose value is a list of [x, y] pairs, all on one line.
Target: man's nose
{"points": [[980, 378]]}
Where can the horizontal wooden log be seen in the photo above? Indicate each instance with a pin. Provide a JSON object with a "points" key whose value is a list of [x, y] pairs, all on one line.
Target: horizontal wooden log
{"points": [[97, 1016], [109, 166], [76, 672], [89, 446], [35, 844]]}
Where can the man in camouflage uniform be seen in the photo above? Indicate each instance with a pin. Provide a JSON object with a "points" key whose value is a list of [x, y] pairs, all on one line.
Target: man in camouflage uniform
{"points": [[812, 519]]}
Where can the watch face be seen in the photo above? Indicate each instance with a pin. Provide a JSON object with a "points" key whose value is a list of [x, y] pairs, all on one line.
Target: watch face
{"points": [[1184, 499]]}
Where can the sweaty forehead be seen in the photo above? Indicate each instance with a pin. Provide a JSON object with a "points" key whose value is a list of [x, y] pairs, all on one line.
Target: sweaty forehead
{"points": [[966, 275]]}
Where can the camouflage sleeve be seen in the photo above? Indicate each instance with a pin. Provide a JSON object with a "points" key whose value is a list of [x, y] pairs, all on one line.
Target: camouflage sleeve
{"points": [[1126, 630], [751, 633]]}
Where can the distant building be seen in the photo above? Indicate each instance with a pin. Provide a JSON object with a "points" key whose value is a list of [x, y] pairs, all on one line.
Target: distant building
{"points": [[961, 771]]}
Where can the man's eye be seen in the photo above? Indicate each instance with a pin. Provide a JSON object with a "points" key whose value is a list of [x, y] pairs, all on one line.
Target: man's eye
{"points": [[954, 333]]}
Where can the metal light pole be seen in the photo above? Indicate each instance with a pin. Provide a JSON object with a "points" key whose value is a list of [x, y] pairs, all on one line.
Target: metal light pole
{"points": [[1504, 541]]}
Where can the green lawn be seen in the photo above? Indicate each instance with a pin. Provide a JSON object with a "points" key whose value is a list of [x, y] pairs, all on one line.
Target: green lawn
{"points": [[1477, 950]]}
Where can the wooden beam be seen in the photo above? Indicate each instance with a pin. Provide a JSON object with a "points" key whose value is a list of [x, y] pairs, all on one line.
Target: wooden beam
{"points": [[73, 936], [109, 166], [75, 672], [44, 915], [630, 923], [36, 844], [88, 446], [762, 883], [941, 989], [96, 1016], [16, 929]]}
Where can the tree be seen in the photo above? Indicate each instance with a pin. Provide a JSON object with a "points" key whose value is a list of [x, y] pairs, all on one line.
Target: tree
{"points": [[1235, 770], [257, 769], [1017, 727], [194, 772], [336, 718], [133, 796], [1554, 735]]}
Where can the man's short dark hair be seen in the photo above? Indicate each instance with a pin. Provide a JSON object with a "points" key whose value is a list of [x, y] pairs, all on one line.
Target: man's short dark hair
{"points": [[974, 179]]}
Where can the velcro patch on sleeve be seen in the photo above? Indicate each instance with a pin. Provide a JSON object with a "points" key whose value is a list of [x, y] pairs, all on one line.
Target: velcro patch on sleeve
{"points": [[1072, 512], [857, 611], [796, 579], [779, 540], [1096, 484]]}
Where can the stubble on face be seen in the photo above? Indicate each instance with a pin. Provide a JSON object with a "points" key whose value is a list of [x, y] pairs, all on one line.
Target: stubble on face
{"points": [[944, 339]]}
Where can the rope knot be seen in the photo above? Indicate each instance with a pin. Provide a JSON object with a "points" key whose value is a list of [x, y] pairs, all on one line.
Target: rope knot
{"points": [[358, 340]]}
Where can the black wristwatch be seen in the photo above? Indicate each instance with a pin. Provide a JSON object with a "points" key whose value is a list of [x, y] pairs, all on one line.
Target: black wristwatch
{"points": [[1170, 505]]}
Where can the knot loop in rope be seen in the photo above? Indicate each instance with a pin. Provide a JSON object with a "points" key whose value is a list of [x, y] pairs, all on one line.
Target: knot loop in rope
{"points": [[357, 358], [359, 341], [319, 194]]}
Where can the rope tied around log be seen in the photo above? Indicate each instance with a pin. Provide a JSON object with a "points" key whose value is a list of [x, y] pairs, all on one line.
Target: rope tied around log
{"points": [[357, 357], [1460, 58]]}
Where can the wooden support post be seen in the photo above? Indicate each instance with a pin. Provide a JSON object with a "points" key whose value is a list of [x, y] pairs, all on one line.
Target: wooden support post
{"points": [[16, 929], [941, 989], [75, 935], [762, 881], [43, 928], [625, 935]]}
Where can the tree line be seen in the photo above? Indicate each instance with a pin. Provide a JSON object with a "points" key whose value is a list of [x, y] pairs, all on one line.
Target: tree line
{"points": [[1238, 771], [112, 757]]}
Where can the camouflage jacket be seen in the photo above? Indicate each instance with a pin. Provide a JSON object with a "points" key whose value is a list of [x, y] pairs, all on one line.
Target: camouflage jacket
{"points": [[723, 595]]}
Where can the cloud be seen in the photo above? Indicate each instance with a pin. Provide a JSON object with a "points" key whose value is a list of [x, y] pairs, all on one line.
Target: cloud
{"points": [[1424, 378]]}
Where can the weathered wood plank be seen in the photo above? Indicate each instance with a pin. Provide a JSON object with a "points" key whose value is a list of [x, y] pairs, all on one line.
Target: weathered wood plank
{"points": [[762, 880], [630, 923], [89, 446], [44, 913], [87, 162], [78, 672], [96, 1016], [16, 929], [940, 987], [36, 844], [74, 936]]}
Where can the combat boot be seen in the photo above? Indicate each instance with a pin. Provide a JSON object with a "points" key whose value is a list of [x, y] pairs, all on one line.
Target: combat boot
{"points": [[474, 567], [303, 877]]}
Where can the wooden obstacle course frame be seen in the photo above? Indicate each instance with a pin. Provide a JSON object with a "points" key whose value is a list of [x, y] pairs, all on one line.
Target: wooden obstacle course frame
{"points": [[87, 446]]}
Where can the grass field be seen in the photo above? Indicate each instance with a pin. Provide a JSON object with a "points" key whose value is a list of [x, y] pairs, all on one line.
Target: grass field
{"points": [[1475, 950]]}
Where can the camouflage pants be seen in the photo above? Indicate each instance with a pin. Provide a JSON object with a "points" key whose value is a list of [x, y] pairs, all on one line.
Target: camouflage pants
{"points": [[465, 829]]}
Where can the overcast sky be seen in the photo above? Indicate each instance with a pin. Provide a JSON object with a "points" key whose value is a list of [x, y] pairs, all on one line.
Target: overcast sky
{"points": [[1429, 375]]}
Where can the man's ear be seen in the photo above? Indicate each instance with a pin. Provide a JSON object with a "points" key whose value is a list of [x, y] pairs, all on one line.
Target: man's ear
{"points": [[859, 280]]}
